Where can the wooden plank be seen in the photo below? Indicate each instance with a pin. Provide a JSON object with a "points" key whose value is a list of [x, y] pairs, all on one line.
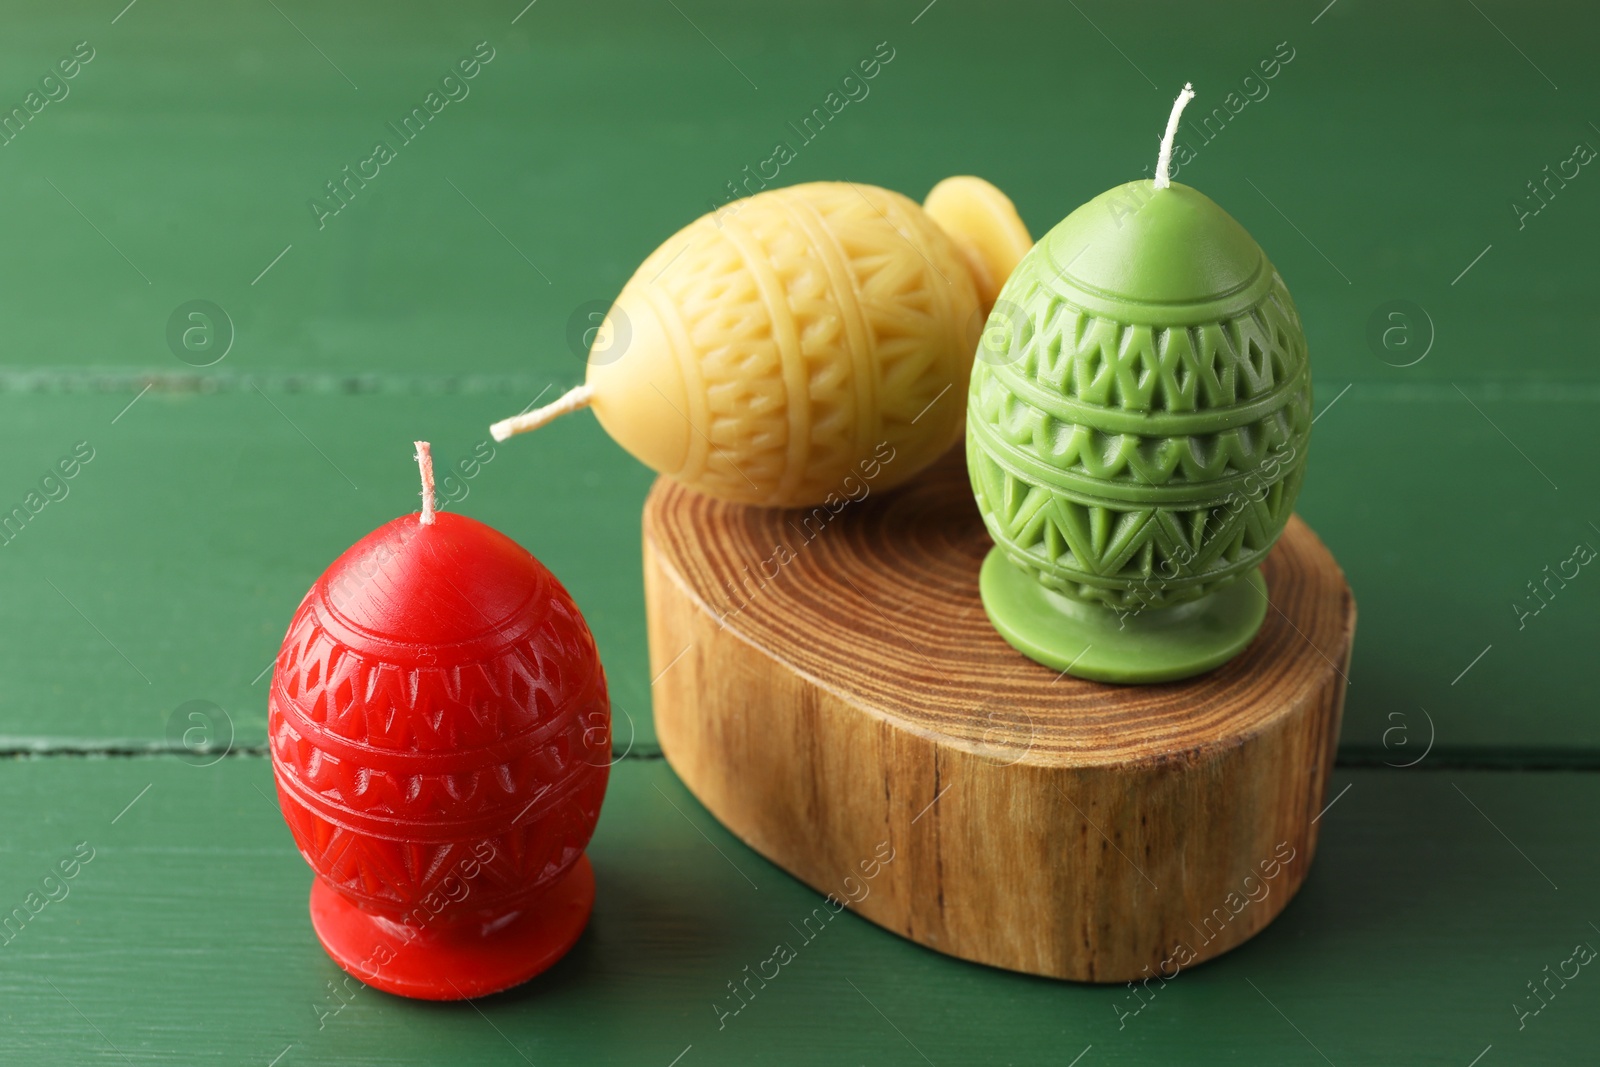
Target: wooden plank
{"points": [[169, 571], [579, 150], [1442, 507], [199, 134], [203, 518], [185, 940]]}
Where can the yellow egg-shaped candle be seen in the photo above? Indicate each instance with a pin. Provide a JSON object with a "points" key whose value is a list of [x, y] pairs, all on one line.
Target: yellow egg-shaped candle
{"points": [[775, 349]]}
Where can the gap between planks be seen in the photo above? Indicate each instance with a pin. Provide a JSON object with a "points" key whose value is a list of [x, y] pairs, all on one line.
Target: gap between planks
{"points": [[1359, 757]]}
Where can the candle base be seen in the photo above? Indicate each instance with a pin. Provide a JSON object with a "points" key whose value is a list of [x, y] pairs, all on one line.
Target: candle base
{"points": [[1103, 645], [458, 961]]}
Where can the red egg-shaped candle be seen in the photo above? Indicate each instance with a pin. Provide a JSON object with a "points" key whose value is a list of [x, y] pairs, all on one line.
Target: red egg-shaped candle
{"points": [[440, 736]]}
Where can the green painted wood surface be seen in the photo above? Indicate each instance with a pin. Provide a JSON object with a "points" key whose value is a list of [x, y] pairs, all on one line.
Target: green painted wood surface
{"points": [[1381, 165], [190, 537], [182, 161], [170, 569], [185, 940]]}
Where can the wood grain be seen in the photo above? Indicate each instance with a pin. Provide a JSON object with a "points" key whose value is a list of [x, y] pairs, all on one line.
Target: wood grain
{"points": [[829, 687]]}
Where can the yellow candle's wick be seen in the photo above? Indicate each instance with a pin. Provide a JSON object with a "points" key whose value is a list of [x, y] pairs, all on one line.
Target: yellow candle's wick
{"points": [[580, 397], [1164, 160]]}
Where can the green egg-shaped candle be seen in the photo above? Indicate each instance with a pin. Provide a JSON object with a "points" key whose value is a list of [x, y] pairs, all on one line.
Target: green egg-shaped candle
{"points": [[1137, 426]]}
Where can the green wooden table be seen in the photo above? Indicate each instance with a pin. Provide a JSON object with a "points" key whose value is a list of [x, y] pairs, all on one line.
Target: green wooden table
{"points": [[1385, 166]]}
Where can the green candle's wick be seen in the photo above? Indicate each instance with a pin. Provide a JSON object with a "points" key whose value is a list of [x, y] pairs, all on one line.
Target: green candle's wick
{"points": [[1164, 160]]}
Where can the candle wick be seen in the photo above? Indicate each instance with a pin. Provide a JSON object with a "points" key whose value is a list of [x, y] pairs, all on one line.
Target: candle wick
{"points": [[425, 465], [573, 399], [1164, 160]]}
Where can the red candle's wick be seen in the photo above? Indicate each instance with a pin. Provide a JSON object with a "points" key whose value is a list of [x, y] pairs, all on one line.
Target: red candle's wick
{"points": [[425, 464]]}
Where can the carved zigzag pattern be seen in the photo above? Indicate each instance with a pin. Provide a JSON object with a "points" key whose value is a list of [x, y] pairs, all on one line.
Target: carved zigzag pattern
{"points": [[379, 783], [1129, 556], [397, 877], [1142, 368], [1083, 449], [370, 702], [917, 298], [1105, 456], [821, 355]]}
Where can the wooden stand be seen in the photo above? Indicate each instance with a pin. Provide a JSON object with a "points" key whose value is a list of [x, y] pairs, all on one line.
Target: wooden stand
{"points": [[829, 688]]}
